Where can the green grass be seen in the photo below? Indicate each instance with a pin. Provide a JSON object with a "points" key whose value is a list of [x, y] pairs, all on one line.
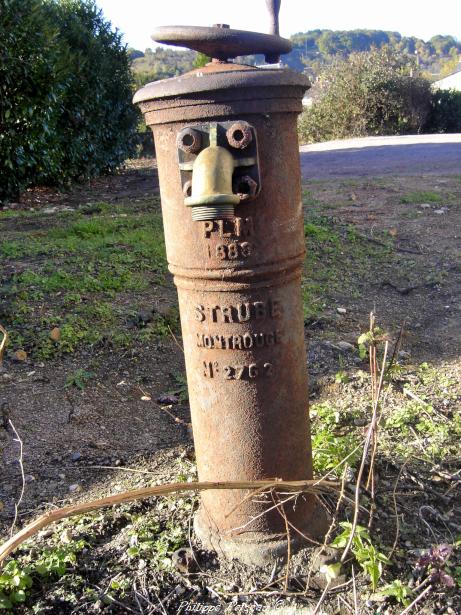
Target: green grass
{"points": [[84, 272], [421, 197], [338, 258]]}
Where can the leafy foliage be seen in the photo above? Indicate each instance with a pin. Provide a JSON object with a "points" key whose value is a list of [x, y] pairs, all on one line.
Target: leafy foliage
{"points": [[79, 379], [160, 63], [367, 555], [434, 562], [315, 49], [65, 94], [16, 579], [330, 449], [397, 590], [445, 112], [370, 93]]}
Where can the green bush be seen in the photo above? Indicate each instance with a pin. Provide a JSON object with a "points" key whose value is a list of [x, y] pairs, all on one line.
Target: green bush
{"points": [[445, 112], [65, 94], [369, 93]]}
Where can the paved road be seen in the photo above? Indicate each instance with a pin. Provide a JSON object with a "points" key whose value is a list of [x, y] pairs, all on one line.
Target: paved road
{"points": [[377, 156]]}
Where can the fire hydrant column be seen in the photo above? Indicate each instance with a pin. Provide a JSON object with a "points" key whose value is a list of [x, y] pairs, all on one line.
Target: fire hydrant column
{"points": [[228, 163]]}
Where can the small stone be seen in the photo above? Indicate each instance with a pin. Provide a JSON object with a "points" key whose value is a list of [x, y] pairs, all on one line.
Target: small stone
{"points": [[55, 334], [7, 377], [341, 310], [403, 354], [425, 205], [75, 456], [101, 444], [45, 533], [346, 346], [20, 355], [66, 536], [441, 211], [62, 476], [29, 478], [74, 488]]}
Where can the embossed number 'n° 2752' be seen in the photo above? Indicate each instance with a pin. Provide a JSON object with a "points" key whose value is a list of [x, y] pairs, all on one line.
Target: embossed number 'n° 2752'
{"points": [[237, 372]]}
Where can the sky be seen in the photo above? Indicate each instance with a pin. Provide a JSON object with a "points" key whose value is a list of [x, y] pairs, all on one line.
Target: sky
{"points": [[421, 18]]}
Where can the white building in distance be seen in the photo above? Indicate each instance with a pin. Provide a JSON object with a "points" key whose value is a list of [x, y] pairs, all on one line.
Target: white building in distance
{"points": [[450, 82]]}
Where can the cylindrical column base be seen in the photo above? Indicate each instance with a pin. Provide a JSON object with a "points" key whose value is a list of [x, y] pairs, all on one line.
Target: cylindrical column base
{"points": [[262, 548]]}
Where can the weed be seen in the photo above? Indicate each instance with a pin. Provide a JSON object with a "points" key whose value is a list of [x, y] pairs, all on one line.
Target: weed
{"points": [[17, 578], [79, 379], [397, 590], [14, 583], [341, 377], [434, 563], [181, 388], [367, 555], [369, 338], [329, 449], [150, 541], [424, 196]]}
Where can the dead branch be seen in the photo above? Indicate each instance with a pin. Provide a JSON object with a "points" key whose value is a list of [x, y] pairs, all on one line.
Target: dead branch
{"points": [[368, 441], [8, 547], [3, 343], [416, 600], [23, 478]]}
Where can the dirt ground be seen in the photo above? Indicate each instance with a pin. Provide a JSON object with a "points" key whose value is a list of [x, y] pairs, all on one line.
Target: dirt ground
{"points": [[387, 245]]}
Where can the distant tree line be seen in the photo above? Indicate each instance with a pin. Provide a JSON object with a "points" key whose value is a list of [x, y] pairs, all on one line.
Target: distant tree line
{"points": [[317, 48], [314, 50], [159, 63], [65, 94]]}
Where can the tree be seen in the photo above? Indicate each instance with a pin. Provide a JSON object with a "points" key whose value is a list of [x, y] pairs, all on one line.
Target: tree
{"points": [[370, 93], [65, 94], [201, 60]]}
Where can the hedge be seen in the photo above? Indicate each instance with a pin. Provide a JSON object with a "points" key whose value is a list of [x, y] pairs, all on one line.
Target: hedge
{"points": [[65, 94]]}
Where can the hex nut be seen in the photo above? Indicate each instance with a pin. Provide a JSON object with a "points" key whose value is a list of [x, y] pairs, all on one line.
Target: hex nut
{"points": [[239, 135], [246, 187], [189, 141]]}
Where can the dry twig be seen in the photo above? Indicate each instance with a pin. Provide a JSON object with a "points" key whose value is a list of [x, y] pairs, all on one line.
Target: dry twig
{"points": [[416, 600], [23, 478], [309, 486], [368, 440], [3, 343]]}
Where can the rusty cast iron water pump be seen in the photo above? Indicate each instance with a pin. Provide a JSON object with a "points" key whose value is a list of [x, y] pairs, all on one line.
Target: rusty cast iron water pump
{"points": [[228, 163]]}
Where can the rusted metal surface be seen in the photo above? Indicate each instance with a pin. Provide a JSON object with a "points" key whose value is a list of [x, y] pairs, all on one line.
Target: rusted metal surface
{"points": [[222, 42], [273, 7], [239, 135], [189, 141], [239, 287]]}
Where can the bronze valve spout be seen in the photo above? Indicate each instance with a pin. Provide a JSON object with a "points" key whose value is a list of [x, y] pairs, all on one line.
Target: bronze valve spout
{"points": [[212, 197]]}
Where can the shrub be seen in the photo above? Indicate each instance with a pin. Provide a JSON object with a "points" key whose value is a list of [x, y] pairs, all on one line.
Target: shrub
{"points": [[368, 93], [445, 111], [65, 94]]}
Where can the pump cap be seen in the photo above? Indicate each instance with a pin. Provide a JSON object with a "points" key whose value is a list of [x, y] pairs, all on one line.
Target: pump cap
{"points": [[222, 43]]}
